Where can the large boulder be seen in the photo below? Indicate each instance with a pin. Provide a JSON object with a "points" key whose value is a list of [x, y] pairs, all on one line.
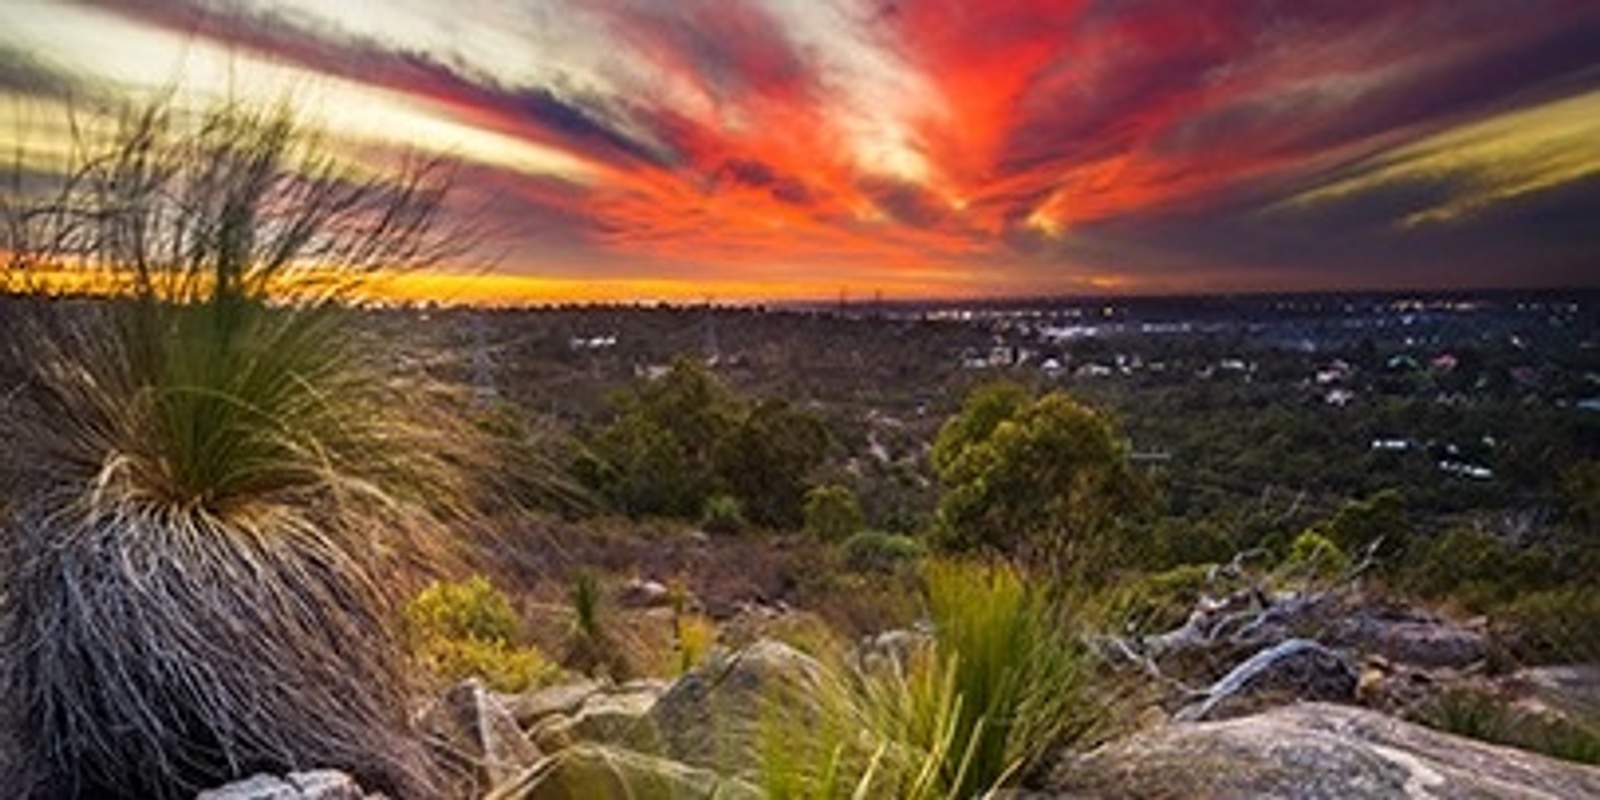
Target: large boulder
{"points": [[1315, 751], [472, 731], [595, 772], [1408, 636], [712, 714]]}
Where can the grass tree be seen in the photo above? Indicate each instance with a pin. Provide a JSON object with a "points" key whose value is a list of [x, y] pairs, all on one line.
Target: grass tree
{"points": [[209, 466]]}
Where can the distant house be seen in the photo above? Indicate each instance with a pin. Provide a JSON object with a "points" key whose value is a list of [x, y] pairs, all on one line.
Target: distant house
{"points": [[593, 342], [1337, 372], [1393, 445], [1465, 470]]}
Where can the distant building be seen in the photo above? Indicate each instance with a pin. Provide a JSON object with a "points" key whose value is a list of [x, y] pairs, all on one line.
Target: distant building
{"points": [[1393, 445]]}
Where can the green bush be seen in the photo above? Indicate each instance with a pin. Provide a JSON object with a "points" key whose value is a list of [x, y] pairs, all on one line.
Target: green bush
{"points": [[724, 515], [832, 513], [1555, 625], [875, 551], [1313, 555], [1469, 565]]}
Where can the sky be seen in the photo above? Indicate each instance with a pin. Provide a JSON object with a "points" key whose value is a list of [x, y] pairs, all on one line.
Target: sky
{"points": [[754, 150]]}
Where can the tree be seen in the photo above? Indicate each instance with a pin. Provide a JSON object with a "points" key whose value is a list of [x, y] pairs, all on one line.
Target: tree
{"points": [[676, 443], [1037, 478], [766, 458], [211, 464], [656, 457]]}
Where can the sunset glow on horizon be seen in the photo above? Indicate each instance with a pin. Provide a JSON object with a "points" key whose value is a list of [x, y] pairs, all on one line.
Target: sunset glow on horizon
{"points": [[776, 150]]}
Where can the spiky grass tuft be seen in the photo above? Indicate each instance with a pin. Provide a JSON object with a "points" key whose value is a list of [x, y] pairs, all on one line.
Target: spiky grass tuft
{"points": [[999, 687], [209, 469]]}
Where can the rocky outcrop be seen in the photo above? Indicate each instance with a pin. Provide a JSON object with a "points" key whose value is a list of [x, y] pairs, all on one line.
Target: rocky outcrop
{"points": [[323, 784], [473, 732], [1409, 636], [593, 772], [1315, 751], [712, 715], [530, 707], [618, 716]]}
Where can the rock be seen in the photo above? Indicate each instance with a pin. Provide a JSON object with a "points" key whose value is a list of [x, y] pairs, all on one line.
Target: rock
{"points": [[891, 649], [640, 593], [592, 772], [1568, 692], [322, 784], [1315, 751], [1399, 688], [471, 729], [1415, 638], [713, 714], [529, 708], [614, 717]]}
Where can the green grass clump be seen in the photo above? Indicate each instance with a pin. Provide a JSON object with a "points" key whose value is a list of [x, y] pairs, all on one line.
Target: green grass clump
{"points": [[211, 467], [1481, 716], [468, 629], [592, 649], [1000, 686]]}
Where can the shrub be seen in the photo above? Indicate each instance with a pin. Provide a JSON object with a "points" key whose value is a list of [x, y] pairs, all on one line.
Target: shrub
{"points": [[693, 637], [466, 629], [1044, 480], [724, 515], [207, 465], [832, 513], [1555, 625], [1479, 715], [1313, 555], [874, 551], [1464, 563], [1155, 602]]}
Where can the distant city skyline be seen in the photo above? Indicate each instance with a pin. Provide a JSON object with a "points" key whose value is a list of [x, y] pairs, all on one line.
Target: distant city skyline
{"points": [[779, 150]]}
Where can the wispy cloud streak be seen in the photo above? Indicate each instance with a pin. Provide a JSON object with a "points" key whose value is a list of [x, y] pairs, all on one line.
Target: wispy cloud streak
{"points": [[1002, 146]]}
